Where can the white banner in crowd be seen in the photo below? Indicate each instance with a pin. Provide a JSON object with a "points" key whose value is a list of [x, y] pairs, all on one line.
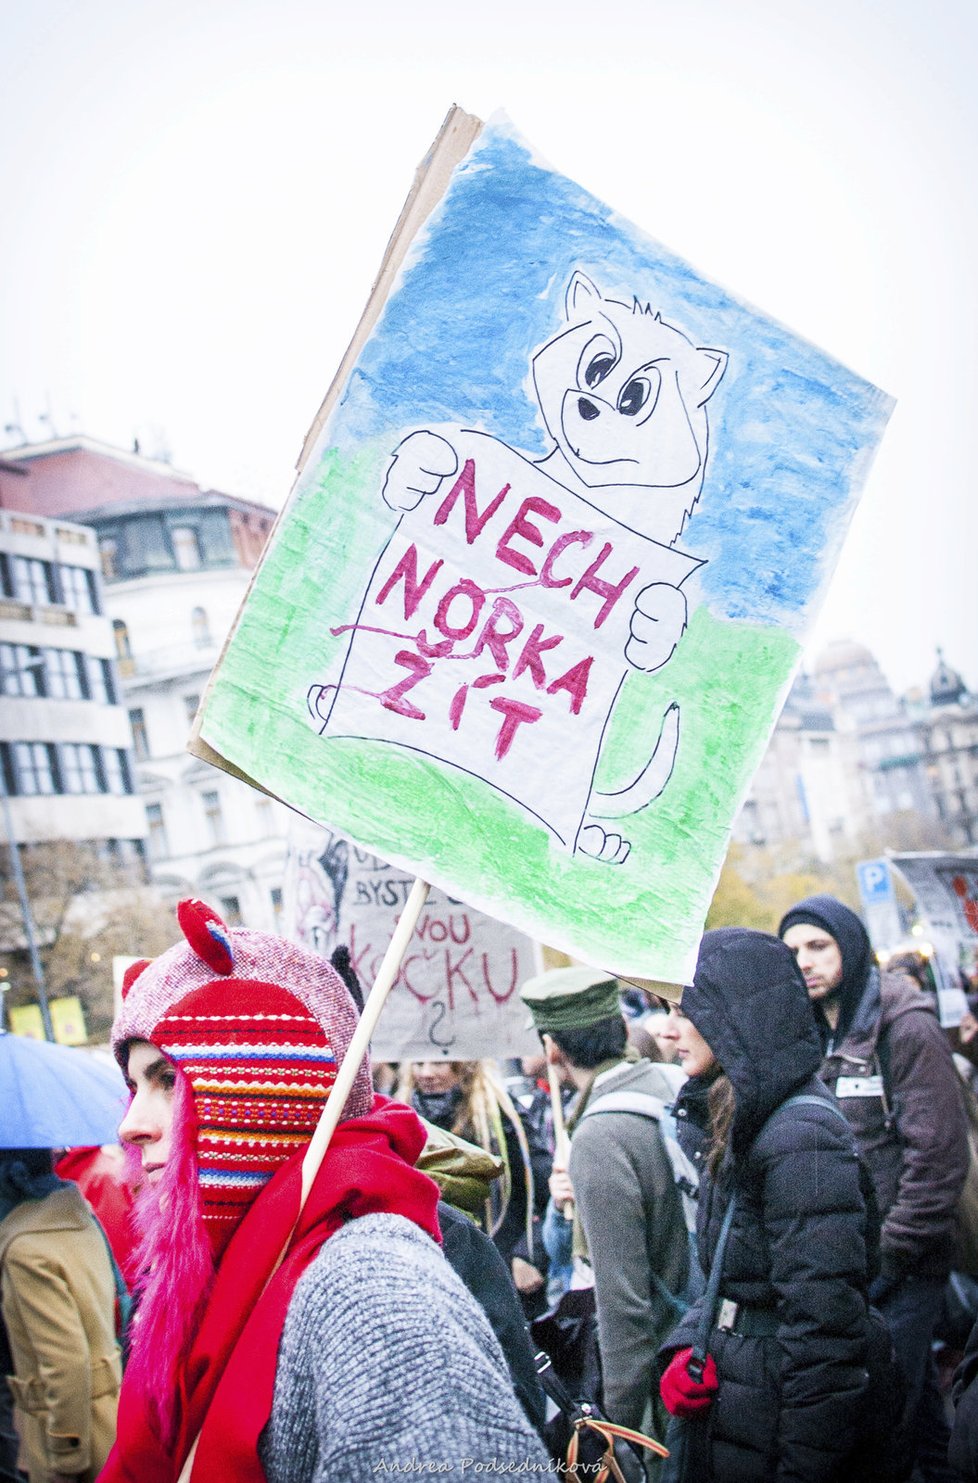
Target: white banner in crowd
{"points": [[946, 891], [456, 995]]}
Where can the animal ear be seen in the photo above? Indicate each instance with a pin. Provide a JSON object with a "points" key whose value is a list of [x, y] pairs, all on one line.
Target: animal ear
{"points": [[580, 291], [713, 363], [132, 973]]}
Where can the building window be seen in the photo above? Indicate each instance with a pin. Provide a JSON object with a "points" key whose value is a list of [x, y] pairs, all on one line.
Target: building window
{"points": [[276, 895], [214, 532], [186, 548], [140, 736], [200, 628], [79, 769], [35, 768], [120, 633], [115, 765], [214, 816], [156, 844], [191, 702], [230, 910], [21, 670], [108, 549], [101, 686], [78, 589], [33, 580], [64, 674]]}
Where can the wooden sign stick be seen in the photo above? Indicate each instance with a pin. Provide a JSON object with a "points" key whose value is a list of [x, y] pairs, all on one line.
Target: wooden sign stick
{"points": [[561, 1140], [376, 999]]}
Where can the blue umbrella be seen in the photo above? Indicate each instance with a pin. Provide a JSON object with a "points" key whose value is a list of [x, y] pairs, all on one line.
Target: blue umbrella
{"points": [[55, 1096]]}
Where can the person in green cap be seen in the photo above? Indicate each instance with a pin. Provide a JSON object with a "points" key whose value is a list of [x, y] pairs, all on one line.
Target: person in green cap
{"points": [[630, 1230]]}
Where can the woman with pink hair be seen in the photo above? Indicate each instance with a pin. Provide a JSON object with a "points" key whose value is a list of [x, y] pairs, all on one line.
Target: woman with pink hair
{"points": [[332, 1344]]}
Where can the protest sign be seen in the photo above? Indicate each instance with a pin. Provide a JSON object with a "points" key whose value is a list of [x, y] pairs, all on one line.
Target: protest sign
{"points": [[946, 890], [456, 992], [530, 614]]}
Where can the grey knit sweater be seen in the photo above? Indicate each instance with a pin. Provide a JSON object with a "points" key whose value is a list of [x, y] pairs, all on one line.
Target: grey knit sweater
{"points": [[388, 1366]]}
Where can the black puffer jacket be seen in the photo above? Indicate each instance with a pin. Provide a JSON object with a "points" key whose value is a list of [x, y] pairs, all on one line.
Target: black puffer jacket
{"points": [[790, 1399]]}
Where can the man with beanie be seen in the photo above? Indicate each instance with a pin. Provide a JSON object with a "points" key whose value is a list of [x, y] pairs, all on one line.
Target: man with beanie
{"points": [[277, 1340], [886, 1059], [629, 1225]]}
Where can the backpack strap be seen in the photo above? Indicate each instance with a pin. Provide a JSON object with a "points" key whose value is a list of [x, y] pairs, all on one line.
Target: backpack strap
{"points": [[647, 1104], [684, 1176], [697, 1360], [808, 1099]]}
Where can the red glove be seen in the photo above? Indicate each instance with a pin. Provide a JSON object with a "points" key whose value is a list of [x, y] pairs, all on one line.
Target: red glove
{"points": [[681, 1394]]}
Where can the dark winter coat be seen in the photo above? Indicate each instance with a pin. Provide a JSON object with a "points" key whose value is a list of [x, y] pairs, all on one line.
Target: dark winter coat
{"points": [[790, 1400], [911, 1131], [963, 1451], [477, 1261]]}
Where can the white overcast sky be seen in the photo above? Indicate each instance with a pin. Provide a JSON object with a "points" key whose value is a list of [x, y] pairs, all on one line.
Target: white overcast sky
{"points": [[195, 195]]}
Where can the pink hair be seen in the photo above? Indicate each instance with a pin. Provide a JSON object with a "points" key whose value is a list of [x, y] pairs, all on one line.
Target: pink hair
{"points": [[176, 1264]]}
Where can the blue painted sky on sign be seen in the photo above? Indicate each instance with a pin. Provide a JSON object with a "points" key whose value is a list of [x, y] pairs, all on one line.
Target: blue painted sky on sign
{"points": [[791, 430]]}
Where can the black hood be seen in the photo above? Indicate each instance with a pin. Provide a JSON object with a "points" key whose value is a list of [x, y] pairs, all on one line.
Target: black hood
{"points": [[749, 1002], [854, 945]]}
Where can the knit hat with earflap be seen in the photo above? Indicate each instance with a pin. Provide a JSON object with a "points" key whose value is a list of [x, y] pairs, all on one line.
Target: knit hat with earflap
{"points": [[259, 1027]]}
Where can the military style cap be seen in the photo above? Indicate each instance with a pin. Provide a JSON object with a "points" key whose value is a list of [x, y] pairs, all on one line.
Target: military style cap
{"points": [[570, 998]]}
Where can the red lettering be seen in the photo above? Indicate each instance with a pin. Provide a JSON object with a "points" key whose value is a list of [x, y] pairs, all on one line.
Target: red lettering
{"points": [[530, 654], [457, 706], [520, 526], [414, 591], [514, 971], [575, 683], [514, 713], [610, 591], [572, 538], [465, 929], [455, 970], [494, 635], [465, 485], [475, 596], [969, 907], [393, 699], [404, 977]]}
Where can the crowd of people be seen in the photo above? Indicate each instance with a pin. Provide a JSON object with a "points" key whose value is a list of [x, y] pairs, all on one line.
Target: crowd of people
{"points": [[730, 1236]]}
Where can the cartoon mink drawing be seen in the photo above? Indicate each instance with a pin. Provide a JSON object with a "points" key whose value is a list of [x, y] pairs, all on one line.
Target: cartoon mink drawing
{"points": [[623, 395]]}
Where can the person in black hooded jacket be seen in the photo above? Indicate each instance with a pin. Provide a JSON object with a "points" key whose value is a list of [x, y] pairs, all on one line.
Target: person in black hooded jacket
{"points": [[887, 1060], [786, 1395]]}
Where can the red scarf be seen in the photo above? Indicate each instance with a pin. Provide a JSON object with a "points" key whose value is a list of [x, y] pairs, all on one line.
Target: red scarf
{"points": [[224, 1389]]}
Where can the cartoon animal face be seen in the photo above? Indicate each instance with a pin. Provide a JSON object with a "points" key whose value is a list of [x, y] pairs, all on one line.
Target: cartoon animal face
{"points": [[623, 395]]}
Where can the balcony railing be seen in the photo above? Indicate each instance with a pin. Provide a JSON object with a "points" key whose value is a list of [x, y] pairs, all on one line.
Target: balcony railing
{"points": [[170, 658]]}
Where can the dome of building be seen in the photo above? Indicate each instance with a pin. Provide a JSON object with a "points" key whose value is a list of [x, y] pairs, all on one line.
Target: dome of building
{"points": [[946, 685], [843, 654]]}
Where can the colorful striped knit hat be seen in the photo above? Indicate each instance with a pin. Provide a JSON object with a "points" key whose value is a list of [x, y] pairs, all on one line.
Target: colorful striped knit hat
{"points": [[260, 1045]]}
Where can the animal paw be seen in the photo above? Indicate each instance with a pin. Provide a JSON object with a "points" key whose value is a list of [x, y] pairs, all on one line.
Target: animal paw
{"points": [[610, 848], [420, 462], [657, 625]]}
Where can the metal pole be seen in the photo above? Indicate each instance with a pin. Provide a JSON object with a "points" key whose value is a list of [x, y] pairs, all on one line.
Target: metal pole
{"points": [[25, 911]]}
